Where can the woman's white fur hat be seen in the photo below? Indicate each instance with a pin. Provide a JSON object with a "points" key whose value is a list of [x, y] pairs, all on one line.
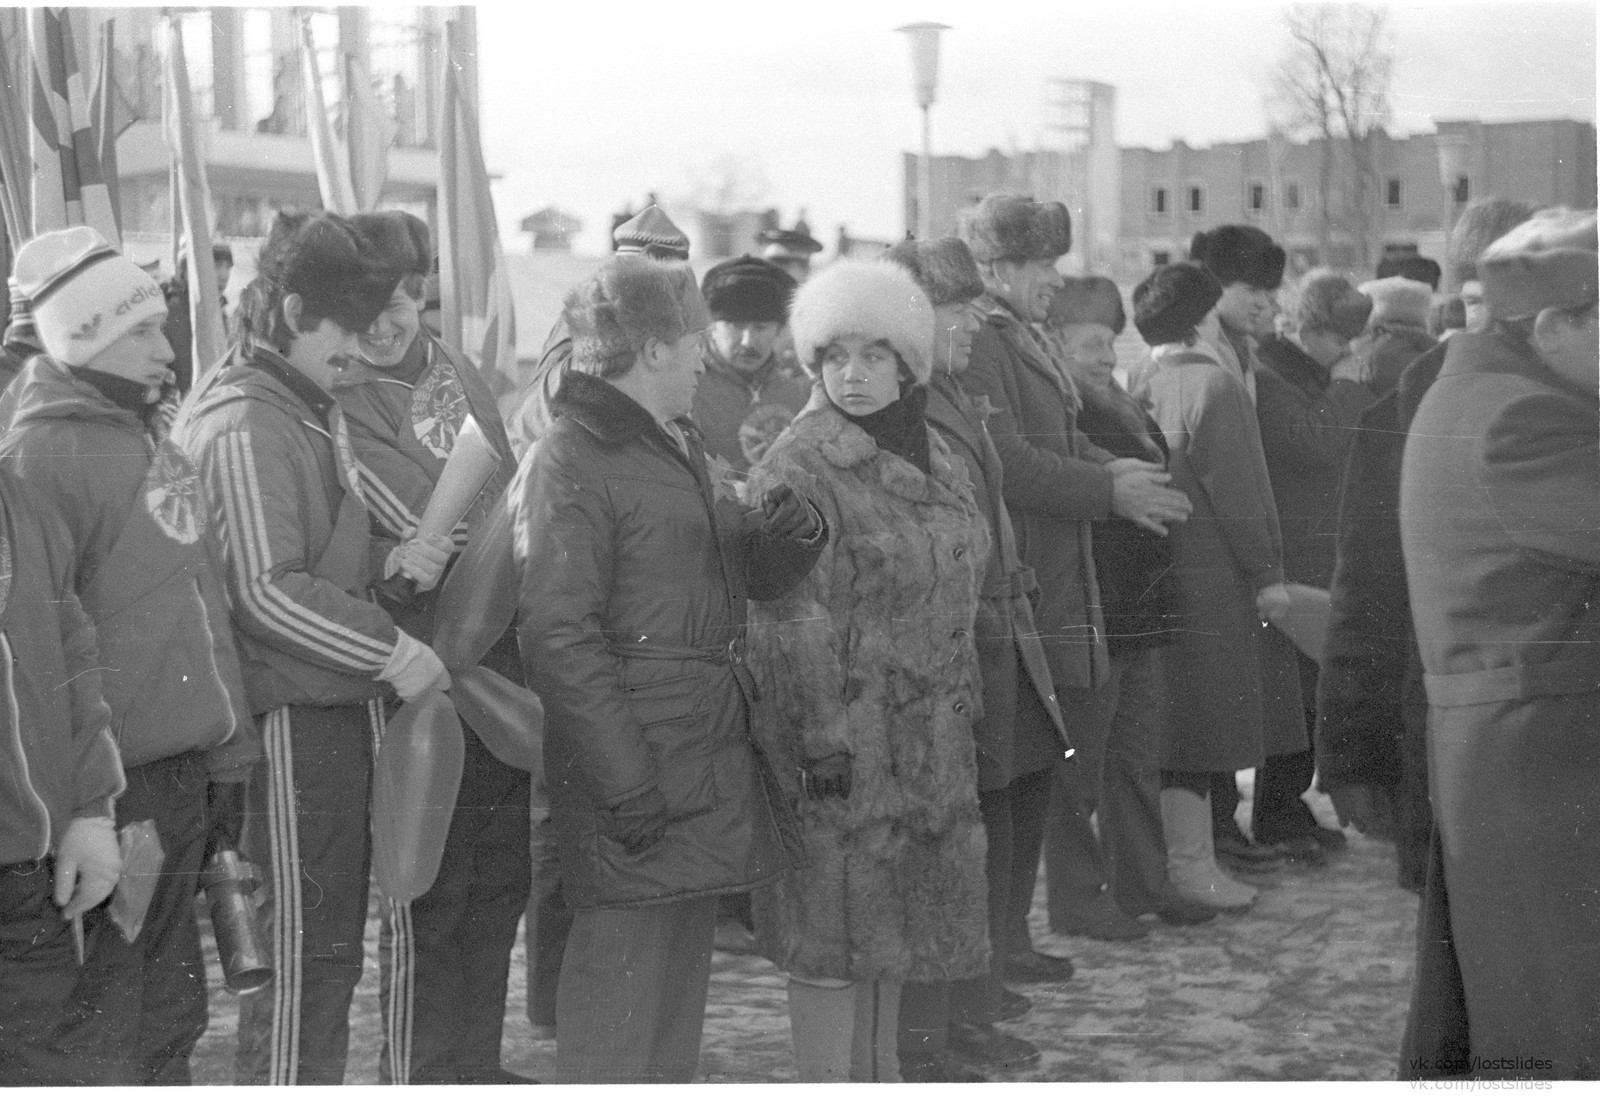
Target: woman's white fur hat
{"points": [[874, 299]]}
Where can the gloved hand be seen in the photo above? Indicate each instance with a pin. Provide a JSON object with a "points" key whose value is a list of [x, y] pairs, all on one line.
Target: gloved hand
{"points": [[828, 777], [1273, 602], [224, 817], [420, 559], [788, 515], [413, 668], [88, 863], [640, 822]]}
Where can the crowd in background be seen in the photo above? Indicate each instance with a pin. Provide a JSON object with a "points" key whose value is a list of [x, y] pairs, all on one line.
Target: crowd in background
{"points": [[799, 613]]}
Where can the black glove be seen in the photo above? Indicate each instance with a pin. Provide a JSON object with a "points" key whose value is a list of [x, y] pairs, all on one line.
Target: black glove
{"points": [[638, 823], [787, 514], [224, 816], [828, 777]]}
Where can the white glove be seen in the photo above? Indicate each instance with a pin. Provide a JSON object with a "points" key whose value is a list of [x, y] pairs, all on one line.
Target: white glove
{"points": [[420, 559], [413, 668], [88, 863], [1273, 602]]}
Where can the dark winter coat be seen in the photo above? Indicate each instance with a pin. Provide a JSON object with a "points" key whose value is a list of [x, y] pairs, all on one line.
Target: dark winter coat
{"points": [[1307, 423], [146, 564], [872, 654], [1500, 523], [634, 572], [1133, 565], [740, 416], [1055, 485], [1390, 348], [1230, 695], [275, 459], [56, 752], [1010, 656]]}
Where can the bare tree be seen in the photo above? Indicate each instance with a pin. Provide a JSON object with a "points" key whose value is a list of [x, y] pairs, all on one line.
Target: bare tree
{"points": [[1333, 83]]}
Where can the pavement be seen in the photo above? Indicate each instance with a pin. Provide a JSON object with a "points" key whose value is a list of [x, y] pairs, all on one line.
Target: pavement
{"points": [[1311, 984]]}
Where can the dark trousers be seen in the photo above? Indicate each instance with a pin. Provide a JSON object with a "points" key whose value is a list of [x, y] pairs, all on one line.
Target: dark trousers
{"points": [[1278, 812], [1118, 782], [307, 825], [1029, 797], [549, 923], [632, 1003], [47, 1038], [152, 991], [445, 956]]}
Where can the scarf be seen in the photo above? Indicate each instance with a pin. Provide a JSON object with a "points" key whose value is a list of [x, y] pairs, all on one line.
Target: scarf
{"points": [[900, 427]]}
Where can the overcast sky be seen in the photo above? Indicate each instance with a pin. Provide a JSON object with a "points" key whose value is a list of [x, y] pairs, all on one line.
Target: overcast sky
{"points": [[587, 105]]}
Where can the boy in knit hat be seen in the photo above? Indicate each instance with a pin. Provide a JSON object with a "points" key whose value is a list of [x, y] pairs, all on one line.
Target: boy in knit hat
{"points": [[146, 566], [1500, 521], [318, 657], [59, 858], [406, 398]]}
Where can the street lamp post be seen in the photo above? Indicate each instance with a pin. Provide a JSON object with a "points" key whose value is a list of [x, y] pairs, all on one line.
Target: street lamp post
{"points": [[1452, 152], [924, 39]]}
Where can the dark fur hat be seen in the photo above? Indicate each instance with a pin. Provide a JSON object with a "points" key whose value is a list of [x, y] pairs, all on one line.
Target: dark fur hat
{"points": [[1415, 268], [748, 290], [943, 268], [1480, 225], [395, 242], [1016, 228], [629, 300], [1326, 301], [319, 257], [1093, 299], [1172, 300], [1239, 253]]}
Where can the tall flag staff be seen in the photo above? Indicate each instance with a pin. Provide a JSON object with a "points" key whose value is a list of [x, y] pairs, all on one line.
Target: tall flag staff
{"points": [[333, 171], [69, 186]]}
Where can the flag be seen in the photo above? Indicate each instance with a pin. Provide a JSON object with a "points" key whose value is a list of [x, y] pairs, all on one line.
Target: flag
{"points": [[474, 284], [181, 129], [69, 187], [368, 133], [16, 171], [110, 115], [333, 174]]}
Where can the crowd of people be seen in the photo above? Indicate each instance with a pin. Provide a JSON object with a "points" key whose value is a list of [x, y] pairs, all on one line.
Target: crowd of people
{"points": [[802, 613]]}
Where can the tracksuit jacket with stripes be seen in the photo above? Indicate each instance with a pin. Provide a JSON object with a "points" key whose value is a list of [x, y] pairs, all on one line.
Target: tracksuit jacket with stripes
{"points": [[295, 542], [57, 760], [145, 565]]}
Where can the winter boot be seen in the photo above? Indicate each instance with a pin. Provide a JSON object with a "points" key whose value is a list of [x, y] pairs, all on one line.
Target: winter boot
{"points": [[1191, 859]]}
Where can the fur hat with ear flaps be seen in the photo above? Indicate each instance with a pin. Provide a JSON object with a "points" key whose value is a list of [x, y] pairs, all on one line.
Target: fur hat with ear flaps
{"points": [[394, 242], [629, 300], [1016, 228], [1481, 224], [872, 299], [1239, 253], [944, 268]]}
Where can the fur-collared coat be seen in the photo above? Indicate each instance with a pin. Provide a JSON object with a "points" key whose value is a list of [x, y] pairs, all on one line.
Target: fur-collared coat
{"points": [[872, 654]]}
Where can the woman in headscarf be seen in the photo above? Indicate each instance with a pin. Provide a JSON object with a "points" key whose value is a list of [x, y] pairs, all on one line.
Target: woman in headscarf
{"points": [[871, 678]]}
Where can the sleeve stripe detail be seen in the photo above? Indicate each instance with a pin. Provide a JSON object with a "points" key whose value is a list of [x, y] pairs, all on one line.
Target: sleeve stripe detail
{"points": [[266, 602], [384, 505]]}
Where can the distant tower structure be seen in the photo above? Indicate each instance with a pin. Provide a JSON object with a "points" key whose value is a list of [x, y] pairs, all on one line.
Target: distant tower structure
{"points": [[1082, 167]]}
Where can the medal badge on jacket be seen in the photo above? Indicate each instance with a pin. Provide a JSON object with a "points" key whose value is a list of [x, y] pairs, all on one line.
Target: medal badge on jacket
{"points": [[438, 408], [171, 495]]}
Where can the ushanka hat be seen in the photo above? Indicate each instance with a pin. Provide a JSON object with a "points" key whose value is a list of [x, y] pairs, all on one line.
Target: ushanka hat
{"points": [[85, 293], [1413, 267], [1398, 301], [629, 300], [1481, 224], [395, 242], [1016, 228], [748, 290], [1093, 299], [943, 268], [1325, 301], [652, 233], [1172, 301], [1239, 253], [870, 299], [319, 258], [1547, 262]]}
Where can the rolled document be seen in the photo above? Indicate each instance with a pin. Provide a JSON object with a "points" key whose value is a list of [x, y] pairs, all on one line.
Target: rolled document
{"points": [[470, 465]]}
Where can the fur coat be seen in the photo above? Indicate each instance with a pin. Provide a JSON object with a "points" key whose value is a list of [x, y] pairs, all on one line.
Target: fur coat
{"points": [[873, 654]]}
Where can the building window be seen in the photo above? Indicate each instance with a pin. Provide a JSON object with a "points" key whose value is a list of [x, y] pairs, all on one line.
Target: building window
{"points": [[1160, 259], [1291, 196], [1256, 197], [1197, 200], [1461, 192], [1158, 200], [1391, 195]]}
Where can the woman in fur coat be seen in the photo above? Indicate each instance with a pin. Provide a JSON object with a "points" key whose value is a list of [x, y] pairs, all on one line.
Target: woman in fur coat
{"points": [[871, 679]]}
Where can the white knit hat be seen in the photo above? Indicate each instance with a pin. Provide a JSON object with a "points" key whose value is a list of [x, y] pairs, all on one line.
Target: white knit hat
{"points": [[874, 299], [85, 293]]}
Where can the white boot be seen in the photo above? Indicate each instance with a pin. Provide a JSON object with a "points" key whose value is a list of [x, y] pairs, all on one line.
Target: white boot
{"points": [[822, 1022], [1191, 859]]}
